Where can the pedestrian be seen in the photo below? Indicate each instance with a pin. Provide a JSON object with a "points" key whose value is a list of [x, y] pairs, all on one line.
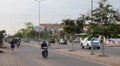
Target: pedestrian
{"points": [[18, 43], [49, 43], [12, 44]]}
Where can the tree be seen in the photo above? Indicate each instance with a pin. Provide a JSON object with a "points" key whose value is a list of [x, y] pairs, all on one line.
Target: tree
{"points": [[62, 33], [69, 26], [27, 32], [2, 35], [74, 26], [80, 23], [23, 32], [29, 29], [103, 16]]}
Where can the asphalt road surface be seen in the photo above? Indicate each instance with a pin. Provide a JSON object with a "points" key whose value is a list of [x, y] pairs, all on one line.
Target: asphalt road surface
{"points": [[31, 56]]}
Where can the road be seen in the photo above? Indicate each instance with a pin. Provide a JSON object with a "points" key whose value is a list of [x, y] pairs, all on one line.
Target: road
{"points": [[31, 56], [108, 50]]}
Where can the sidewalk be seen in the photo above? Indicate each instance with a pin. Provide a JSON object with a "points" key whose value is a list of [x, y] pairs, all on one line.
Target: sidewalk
{"points": [[8, 59]]}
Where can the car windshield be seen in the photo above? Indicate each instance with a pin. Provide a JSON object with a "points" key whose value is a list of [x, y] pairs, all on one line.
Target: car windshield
{"points": [[63, 39], [95, 38]]}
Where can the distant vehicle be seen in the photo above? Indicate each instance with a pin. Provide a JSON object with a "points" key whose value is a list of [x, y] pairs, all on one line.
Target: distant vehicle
{"points": [[63, 41], [87, 42], [52, 41], [26, 40], [77, 40]]}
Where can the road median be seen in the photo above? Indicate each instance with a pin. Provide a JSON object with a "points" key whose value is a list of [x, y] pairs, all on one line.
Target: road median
{"points": [[109, 60]]}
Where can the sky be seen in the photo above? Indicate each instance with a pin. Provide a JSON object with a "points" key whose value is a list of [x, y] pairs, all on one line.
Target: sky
{"points": [[15, 13]]}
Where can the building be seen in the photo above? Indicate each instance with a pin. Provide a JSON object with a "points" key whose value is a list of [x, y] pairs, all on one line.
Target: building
{"points": [[55, 28]]}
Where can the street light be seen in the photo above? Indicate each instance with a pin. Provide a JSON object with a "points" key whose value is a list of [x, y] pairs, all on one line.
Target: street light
{"points": [[39, 15]]}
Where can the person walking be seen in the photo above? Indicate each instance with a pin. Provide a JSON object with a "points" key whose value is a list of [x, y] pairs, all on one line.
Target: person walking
{"points": [[18, 43], [12, 44]]}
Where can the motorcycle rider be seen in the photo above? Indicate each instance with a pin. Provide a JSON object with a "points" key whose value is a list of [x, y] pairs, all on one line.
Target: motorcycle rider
{"points": [[44, 44]]}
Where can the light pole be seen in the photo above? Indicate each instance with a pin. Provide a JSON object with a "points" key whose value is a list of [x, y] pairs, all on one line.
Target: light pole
{"points": [[39, 16]]}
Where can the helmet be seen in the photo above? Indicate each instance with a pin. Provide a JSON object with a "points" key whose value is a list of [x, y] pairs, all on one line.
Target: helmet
{"points": [[43, 41]]}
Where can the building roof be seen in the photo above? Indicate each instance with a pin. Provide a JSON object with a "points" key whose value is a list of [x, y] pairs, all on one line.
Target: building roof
{"points": [[117, 22]]}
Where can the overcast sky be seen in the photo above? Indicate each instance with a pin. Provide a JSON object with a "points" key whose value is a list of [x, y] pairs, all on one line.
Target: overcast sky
{"points": [[14, 13]]}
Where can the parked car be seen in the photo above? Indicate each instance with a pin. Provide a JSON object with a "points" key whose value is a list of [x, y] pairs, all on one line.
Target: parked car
{"points": [[77, 40], [87, 42], [52, 41], [27, 40], [63, 41]]}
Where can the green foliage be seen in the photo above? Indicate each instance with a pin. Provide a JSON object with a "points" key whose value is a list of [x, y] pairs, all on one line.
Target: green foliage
{"points": [[105, 13], [2, 35], [104, 18], [62, 33], [27, 32], [74, 26], [68, 26], [109, 30]]}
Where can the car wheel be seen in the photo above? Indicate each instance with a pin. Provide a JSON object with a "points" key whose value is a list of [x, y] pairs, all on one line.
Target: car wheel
{"points": [[82, 47], [89, 47], [98, 47], [81, 44]]}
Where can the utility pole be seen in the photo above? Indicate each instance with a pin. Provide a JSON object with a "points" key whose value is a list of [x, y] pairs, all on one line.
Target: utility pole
{"points": [[39, 16]]}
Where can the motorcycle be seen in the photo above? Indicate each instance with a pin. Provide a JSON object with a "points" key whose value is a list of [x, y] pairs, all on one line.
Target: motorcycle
{"points": [[45, 52]]}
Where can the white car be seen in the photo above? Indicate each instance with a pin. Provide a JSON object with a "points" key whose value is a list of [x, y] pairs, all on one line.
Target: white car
{"points": [[63, 41], [87, 42]]}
